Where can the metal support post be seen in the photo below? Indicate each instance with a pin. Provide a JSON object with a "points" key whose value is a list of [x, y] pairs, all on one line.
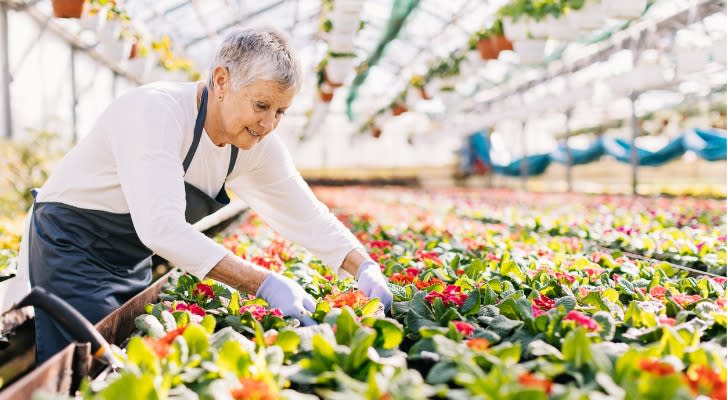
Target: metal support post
{"points": [[5, 72], [569, 157], [74, 97], [635, 131], [524, 160]]}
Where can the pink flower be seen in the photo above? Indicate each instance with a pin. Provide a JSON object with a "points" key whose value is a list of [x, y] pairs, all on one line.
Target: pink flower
{"points": [[203, 290], [667, 321], [684, 300], [582, 319], [463, 327], [259, 312], [545, 303], [658, 292]]}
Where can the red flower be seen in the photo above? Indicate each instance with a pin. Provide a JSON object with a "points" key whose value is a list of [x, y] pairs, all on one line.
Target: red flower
{"points": [[192, 308], [545, 303], [452, 294], [667, 321], [380, 244], [463, 327], [530, 380], [684, 300], [203, 290], [719, 279], [704, 380], [582, 319], [656, 367], [477, 344]]}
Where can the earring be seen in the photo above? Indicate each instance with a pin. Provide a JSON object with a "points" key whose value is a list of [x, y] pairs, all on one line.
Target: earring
{"points": [[219, 97]]}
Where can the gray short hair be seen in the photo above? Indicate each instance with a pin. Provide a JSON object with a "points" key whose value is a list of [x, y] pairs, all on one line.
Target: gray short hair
{"points": [[252, 54]]}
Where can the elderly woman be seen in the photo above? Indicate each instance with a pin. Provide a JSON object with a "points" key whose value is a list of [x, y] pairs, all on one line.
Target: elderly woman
{"points": [[158, 159]]}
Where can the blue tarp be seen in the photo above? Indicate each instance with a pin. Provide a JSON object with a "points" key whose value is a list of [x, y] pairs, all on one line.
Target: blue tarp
{"points": [[708, 144]]}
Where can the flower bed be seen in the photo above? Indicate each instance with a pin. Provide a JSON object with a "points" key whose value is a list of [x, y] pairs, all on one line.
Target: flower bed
{"points": [[481, 311]]}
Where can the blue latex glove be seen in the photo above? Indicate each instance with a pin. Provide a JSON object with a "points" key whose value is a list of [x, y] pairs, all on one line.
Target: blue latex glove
{"points": [[288, 296], [372, 283]]}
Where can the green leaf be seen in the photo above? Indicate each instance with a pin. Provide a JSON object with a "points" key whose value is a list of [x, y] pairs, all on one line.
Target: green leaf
{"points": [[471, 306], [607, 323], [208, 322], [389, 332], [233, 358], [323, 349], [371, 307], [568, 302], [142, 356], [129, 386], [197, 339], [288, 340], [442, 372], [360, 344], [539, 348], [576, 348], [346, 326], [234, 306]]}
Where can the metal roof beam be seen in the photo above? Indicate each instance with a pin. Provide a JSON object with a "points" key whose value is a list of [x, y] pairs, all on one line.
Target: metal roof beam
{"points": [[236, 22]]}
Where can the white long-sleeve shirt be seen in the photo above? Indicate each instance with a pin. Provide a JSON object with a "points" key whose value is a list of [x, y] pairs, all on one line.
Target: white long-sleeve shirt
{"points": [[131, 162]]}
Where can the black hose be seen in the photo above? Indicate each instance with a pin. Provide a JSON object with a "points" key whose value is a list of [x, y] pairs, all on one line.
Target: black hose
{"points": [[71, 320]]}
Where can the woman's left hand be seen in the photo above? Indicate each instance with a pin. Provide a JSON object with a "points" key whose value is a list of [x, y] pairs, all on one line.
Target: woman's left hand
{"points": [[373, 283]]}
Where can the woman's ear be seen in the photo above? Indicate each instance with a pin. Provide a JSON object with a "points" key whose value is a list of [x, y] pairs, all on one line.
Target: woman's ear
{"points": [[221, 77]]}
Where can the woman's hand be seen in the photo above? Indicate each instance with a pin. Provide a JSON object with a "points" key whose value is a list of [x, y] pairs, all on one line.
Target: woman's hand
{"points": [[288, 296], [372, 282]]}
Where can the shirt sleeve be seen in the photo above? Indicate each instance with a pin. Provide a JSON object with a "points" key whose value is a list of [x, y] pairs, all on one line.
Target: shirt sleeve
{"points": [[146, 152], [275, 190]]}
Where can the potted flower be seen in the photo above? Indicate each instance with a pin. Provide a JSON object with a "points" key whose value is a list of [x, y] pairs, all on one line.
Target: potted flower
{"points": [[499, 42], [481, 40], [93, 17], [67, 8]]}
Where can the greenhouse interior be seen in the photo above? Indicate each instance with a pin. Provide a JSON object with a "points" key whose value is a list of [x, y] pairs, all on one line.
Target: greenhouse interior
{"points": [[349, 199]]}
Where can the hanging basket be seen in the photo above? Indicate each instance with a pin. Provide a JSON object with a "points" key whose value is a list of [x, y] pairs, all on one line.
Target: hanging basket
{"points": [[341, 43], [530, 51], [338, 68], [589, 18], [109, 34], [486, 49], [67, 8], [515, 30], [623, 9], [539, 29]]}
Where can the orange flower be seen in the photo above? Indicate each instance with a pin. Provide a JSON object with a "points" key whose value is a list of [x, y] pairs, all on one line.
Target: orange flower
{"points": [[253, 389], [530, 380], [656, 367], [161, 346], [420, 284], [353, 299], [684, 300], [478, 344]]}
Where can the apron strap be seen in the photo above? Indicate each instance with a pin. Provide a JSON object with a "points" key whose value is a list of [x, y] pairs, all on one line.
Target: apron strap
{"points": [[199, 125], [233, 158]]}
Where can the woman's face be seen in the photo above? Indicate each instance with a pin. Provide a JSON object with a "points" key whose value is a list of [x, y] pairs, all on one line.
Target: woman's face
{"points": [[252, 112]]}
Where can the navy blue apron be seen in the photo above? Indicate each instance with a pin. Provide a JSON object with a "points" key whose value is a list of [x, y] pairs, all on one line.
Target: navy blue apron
{"points": [[94, 259]]}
